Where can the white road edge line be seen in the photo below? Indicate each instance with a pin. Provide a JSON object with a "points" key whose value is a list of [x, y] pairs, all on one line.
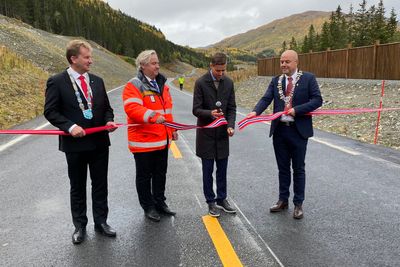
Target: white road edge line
{"points": [[258, 235], [22, 137], [198, 200], [186, 144], [346, 150]]}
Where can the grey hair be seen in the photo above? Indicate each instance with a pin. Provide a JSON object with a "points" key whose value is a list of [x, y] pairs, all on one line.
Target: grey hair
{"points": [[144, 57]]}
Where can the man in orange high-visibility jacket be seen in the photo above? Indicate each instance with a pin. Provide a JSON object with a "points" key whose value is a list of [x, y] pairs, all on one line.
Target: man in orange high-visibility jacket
{"points": [[148, 104]]}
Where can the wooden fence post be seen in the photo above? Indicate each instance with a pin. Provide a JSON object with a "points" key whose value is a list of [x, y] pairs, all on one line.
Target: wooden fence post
{"points": [[347, 59], [375, 59], [326, 62]]}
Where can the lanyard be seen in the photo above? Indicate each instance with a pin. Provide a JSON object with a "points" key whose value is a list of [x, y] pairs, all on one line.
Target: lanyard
{"points": [[87, 113]]}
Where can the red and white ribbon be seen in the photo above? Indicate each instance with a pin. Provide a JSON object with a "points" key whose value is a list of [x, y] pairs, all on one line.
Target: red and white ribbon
{"points": [[265, 118], [178, 126]]}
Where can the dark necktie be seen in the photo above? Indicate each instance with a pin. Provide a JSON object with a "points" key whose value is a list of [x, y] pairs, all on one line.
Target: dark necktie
{"points": [[84, 85], [155, 85]]}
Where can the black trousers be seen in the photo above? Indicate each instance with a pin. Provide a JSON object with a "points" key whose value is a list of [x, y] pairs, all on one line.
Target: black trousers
{"points": [[151, 174], [78, 163], [290, 150]]}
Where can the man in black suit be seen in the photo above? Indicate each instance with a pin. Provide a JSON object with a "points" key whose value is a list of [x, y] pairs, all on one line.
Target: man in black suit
{"points": [[76, 100], [297, 93]]}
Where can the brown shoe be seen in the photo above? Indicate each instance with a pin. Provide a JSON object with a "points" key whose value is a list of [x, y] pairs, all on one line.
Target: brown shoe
{"points": [[298, 212], [279, 206]]}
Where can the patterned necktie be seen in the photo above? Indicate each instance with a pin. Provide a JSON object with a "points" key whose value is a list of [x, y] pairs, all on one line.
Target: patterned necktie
{"points": [[155, 85], [84, 85], [289, 89]]}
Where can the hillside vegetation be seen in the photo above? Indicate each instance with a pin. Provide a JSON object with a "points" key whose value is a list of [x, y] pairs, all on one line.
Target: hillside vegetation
{"points": [[47, 51], [21, 89], [95, 20], [272, 35], [29, 56], [362, 27]]}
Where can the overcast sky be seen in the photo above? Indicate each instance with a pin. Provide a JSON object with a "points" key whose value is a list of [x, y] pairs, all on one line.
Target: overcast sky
{"points": [[200, 23]]}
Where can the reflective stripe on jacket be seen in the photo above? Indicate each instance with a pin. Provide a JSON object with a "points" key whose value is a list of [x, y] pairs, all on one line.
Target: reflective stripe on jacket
{"points": [[143, 105]]}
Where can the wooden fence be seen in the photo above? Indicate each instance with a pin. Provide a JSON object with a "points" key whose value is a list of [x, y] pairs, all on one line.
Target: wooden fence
{"points": [[380, 61]]}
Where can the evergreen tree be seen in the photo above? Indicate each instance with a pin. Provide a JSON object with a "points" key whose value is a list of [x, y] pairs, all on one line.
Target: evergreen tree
{"points": [[350, 18], [361, 25], [338, 30], [305, 48], [325, 38], [293, 44], [283, 48], [312, 39], [378, 24], [391, 27]]}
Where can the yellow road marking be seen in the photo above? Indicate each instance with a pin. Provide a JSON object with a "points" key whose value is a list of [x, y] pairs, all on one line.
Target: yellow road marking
{"points": [[175, 151], [221, 242]]}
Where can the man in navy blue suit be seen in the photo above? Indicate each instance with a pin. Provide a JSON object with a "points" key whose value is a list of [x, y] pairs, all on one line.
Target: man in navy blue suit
{"points": [[298, 93]]}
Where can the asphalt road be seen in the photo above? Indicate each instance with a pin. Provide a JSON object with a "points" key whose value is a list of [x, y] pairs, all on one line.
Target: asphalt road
{"points": [[351, 210]]}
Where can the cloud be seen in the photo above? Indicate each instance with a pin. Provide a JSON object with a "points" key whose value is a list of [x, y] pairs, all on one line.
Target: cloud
{"points": [[201, 23]]}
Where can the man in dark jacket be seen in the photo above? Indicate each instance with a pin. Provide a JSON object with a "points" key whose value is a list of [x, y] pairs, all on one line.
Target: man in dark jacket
{"points": [[76, 100], [297, 93], [213, 97]]}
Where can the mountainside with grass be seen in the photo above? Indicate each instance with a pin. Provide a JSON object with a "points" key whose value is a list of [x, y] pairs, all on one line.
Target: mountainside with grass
{"points": [[272, 35], [28, 56]]}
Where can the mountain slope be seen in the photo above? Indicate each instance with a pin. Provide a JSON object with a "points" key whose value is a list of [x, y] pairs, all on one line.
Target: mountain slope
{"points": [[28, 56], [272, 35], [47, 51], [95, 20]]}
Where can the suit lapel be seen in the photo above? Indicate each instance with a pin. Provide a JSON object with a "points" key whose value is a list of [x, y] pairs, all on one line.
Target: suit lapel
{"points": [[93, 86], [297, 86], [68, 80]]}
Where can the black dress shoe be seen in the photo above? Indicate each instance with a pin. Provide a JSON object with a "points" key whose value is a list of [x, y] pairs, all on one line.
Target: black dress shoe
{"points": [[213, 211], [165, 209], [298, 212], [279, 206], [79, 235], [105, 229], [152, 214]]}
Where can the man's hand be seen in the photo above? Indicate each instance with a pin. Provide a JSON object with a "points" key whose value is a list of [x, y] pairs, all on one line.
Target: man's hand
{"points": [[291, 112], [231, 131], [113, 124], [174, 135], [251, 115], [160, 119], [216, 114], [77, 132]]}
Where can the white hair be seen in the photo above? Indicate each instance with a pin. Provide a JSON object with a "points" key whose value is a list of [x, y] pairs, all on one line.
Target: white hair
{"points": [[144, 58]]}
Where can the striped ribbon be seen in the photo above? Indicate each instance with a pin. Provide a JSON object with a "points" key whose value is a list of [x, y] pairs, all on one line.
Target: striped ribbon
{"points": [[178, 126], [265, 118], [58, 132]]}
